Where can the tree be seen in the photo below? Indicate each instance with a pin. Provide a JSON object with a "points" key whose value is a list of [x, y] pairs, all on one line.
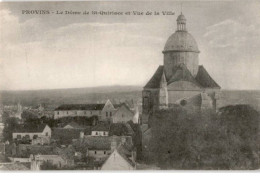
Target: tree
{"points": [[206, 140], [11, 124]]}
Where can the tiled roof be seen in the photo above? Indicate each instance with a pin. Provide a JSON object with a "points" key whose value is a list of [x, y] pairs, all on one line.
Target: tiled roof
{"points": [[204, 79], [154, 82], [80, 107], [101, 127], [32, 129]]}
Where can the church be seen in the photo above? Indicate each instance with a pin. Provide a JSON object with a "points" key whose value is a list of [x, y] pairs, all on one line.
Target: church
{"points": [[180, 80]]}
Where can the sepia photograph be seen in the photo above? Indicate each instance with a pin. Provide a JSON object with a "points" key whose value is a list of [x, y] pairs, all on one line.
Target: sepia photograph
{"points": [[129, 85]]}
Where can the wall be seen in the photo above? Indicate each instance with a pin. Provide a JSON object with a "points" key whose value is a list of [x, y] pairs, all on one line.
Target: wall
{"points": [[122, 115], [99, 133], [99, 155], [173, 59], [74, 113]]}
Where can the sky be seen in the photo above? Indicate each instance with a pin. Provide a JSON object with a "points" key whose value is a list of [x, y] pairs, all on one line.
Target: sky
{"points": [[69, 51]]}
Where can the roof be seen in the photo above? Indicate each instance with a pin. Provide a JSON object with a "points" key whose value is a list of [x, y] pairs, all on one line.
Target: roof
{"points": [[125, 153], [181, 17], [33, 129], [126, 106], [80, 107], [75, 125], [121, 129], [101, 127], [100, 142], [204, 79], [183, 74], [181, 41], [154, 82]]}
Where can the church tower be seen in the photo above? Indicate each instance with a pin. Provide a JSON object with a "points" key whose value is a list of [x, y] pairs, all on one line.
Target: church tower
{"points": [[181, 48]]}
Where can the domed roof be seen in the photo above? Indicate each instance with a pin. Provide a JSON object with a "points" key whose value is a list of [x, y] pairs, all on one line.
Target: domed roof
{"points": [[181, 17], [181, 41]]}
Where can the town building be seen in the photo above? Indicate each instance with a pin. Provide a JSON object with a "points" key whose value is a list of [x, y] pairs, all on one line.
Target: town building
{"points": [[101, 129], [102, 111], [123, 114], [98, 148], [37, 135], [180, 80]]}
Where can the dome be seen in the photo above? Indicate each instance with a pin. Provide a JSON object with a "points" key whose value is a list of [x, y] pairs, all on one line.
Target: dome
{"points": [[181, 17], [181, 41]]}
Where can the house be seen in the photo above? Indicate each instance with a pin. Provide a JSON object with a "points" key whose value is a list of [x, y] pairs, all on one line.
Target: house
{"points": [[101, 129], [120, 159], [102, 111], [123, 114], [43, 132], [99, 147]]}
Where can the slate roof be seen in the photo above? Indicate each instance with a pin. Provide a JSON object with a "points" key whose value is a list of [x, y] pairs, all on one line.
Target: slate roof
{"points": [[33, 129], [154, 82], [80, 107], [183, 74], [202, 79]]}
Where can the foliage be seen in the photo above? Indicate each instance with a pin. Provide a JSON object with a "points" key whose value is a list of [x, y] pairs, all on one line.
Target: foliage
{"points": [[48, 166], [206, 140], [11, 124]]}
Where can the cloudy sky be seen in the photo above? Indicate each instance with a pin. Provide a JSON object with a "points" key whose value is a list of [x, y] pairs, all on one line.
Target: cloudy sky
{"points": [[65, 51]]}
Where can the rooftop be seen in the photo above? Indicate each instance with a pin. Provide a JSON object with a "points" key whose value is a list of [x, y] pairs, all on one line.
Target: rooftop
{"points": [[80, 107]]}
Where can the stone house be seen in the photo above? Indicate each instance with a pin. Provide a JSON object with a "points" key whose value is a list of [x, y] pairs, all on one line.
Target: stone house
{"points": [[123, 114], [41, 133], [102, 111]]}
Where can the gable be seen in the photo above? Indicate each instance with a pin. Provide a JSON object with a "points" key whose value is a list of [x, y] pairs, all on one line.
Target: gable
{"points": [[123, 110], [116, 162], [182, 85], [108, 106]]}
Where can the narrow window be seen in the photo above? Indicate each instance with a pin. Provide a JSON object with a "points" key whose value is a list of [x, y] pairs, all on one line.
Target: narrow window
{"points": [[95, 152], [46, 134], [96, 133], [104, 152], [106, 114], [110, 114]]}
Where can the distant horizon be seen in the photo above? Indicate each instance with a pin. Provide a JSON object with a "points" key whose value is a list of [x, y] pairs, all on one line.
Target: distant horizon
{"points": [[137, 86]]}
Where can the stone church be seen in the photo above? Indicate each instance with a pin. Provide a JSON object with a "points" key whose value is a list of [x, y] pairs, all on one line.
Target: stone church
{"points": [[180, 80]]}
